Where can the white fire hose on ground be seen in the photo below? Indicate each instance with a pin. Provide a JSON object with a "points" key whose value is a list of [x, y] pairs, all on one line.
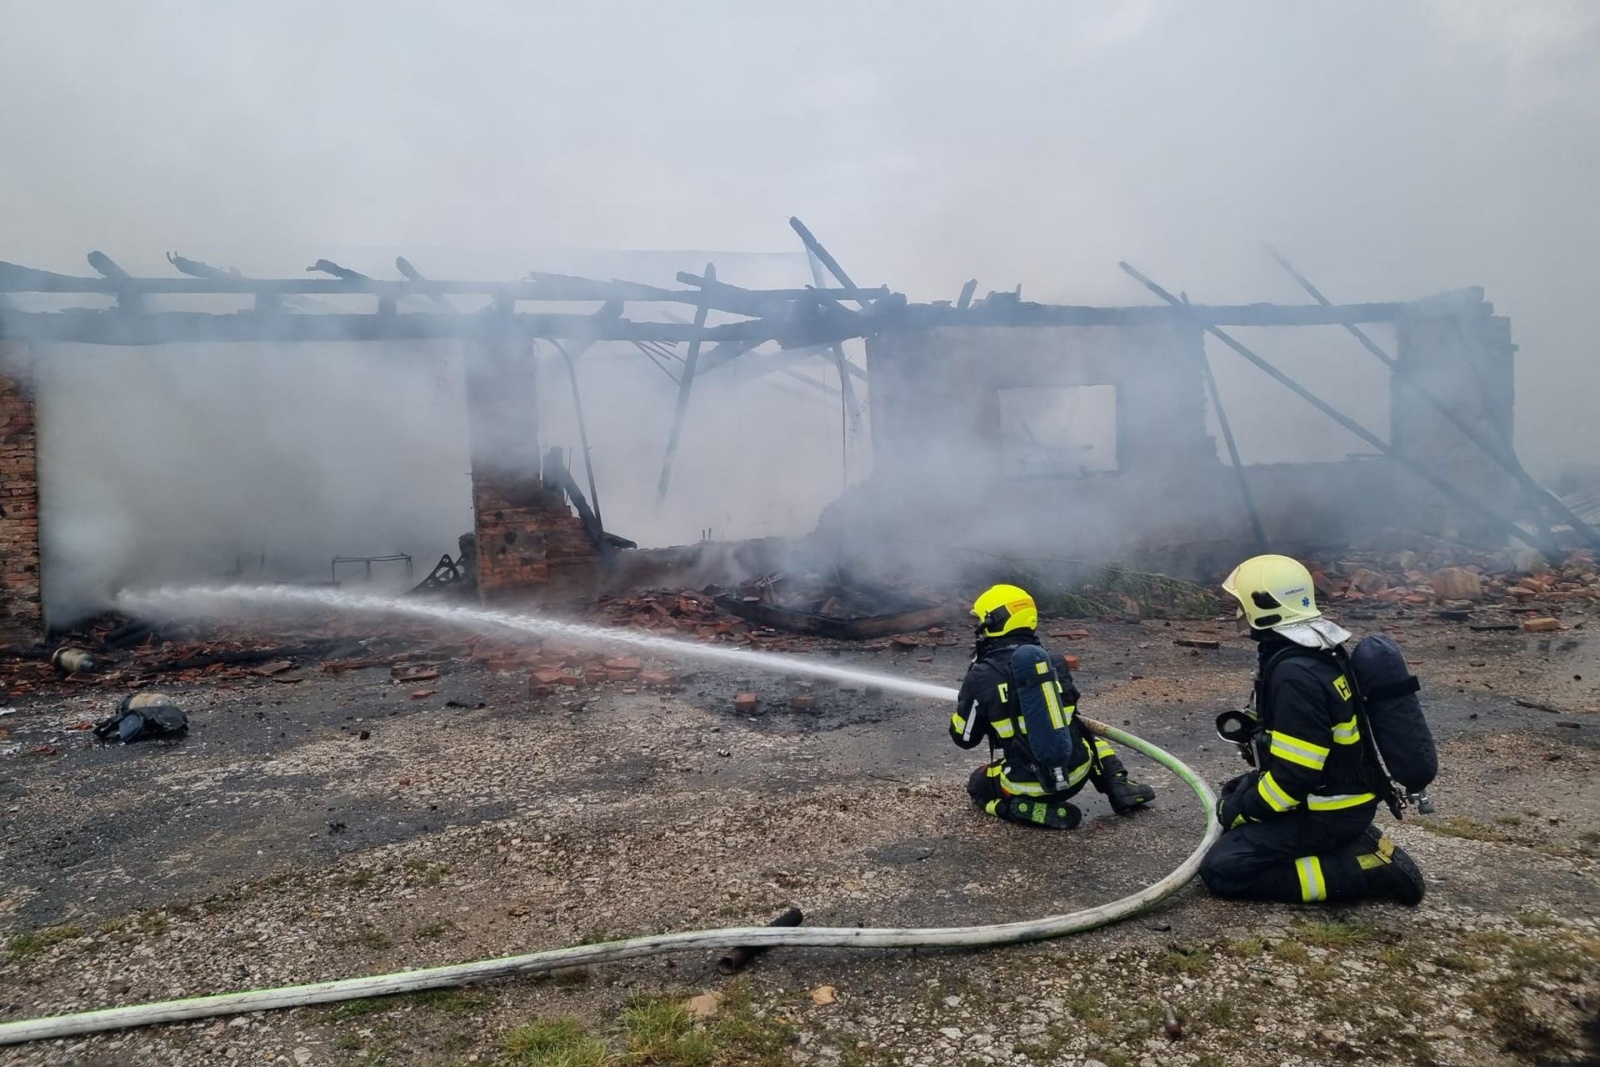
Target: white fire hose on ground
{"points": [[167, 1011]]}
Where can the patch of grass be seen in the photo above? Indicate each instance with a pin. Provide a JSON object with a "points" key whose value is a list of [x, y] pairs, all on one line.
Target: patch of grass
{"points": [[745, 1037], [1508, 820], [1176, 962], [449, 1001], [374, 940], [1219, 1013], [1456, 826], [1407, 1001], [663, 1032], [1394, 958], [1544, 954], [1516, 1027], [554, 1043], [1085, 1004], [1335, 933], [1291, 952], [428, 872], [1487, 940], [362, 878], [1244, 946], [347, 1042], [1590, 837], [1319, 971], [363, 1007], [1537, 920], [1461, 962], [25, 946]]}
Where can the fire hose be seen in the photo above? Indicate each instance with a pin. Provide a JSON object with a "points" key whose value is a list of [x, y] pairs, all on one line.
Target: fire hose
{"points": [[632, 948]]}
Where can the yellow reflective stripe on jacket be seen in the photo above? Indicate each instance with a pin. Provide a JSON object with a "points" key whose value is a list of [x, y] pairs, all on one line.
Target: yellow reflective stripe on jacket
{"points": [[1274, 795], [1103, 749], [1006, 728], [1339, 802], [1034, 789], [1312, 886], [1347, 733], [1297, 751]]}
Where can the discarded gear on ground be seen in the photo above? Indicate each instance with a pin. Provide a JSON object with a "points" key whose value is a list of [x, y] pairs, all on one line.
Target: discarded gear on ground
{"points": [[141, 716]]}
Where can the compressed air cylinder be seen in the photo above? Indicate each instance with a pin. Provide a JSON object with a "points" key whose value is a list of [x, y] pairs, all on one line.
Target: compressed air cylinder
{"points": [[72, 660]]}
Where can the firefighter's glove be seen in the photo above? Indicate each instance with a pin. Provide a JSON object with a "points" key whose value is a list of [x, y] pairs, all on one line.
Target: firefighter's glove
{"points": [[1236, 783], [1230, 810]]}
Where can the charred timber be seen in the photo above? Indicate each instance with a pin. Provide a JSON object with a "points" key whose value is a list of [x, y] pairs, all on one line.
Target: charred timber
{"points": [[116, 327], [19, 279]]}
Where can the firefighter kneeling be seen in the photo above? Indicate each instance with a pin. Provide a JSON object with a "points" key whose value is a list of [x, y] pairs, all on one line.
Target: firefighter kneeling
{"points": [[1299, 827], [1022, 698]]}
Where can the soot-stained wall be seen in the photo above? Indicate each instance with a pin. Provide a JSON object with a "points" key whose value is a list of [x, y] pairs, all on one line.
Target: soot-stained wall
{"points": [[21, 611]]}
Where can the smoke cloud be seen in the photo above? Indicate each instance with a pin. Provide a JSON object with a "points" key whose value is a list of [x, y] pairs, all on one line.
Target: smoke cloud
{"points": [[1392, 150]]}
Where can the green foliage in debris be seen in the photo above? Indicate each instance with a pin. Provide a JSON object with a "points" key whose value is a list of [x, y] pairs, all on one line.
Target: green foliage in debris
{"points": [[555, 1043], [27, 945], [1080, 589], [659, 1032]]}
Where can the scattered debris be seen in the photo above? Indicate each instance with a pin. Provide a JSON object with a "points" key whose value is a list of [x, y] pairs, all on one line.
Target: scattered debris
{"points": [[841, 607], [824, 995], [1170, 1023], [1536, 706], [735, 959], [1198, 642], [73, 661], [268, 670]]}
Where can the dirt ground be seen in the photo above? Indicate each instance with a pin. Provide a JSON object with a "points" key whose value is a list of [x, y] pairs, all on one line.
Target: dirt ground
{"points": [[330, 825]]}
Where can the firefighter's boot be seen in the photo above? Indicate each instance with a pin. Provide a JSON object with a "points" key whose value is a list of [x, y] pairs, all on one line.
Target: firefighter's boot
{"points": [[1125, 795], [1048, 814], [1389, 871]]}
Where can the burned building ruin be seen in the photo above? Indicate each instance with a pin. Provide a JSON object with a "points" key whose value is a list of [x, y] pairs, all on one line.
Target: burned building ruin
{"points": [[941, 392]]}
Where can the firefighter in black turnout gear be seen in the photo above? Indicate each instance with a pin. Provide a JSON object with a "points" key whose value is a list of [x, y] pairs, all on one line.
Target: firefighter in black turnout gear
{"points": [[1299, 828], [1016, 787]]}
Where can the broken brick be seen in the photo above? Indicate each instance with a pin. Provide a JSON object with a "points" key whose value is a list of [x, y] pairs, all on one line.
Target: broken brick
{"points": [[1072, 662], [1197, 642], [659, 679], [745, 702], [802, 702], [1540, 626]]}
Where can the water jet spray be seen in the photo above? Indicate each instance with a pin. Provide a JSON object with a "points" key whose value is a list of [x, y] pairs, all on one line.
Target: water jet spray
{"points": [[233, 601]]}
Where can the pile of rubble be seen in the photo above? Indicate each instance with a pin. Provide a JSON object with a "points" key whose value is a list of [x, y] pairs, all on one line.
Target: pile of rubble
{"points": [[1459, 581]]}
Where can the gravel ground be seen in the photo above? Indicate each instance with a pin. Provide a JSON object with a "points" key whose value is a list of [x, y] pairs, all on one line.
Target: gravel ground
{"points": [[333, 826]]}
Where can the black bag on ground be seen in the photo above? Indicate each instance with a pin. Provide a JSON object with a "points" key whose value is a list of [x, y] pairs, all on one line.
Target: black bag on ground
{"points": [[141, 716]]}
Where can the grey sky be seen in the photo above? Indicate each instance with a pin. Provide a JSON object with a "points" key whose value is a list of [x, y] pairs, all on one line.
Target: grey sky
{"points": [[1394, 149]]}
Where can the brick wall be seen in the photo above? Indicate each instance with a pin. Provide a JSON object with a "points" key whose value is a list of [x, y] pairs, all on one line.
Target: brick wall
{"points": [[529, 542], [21, 612]]}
